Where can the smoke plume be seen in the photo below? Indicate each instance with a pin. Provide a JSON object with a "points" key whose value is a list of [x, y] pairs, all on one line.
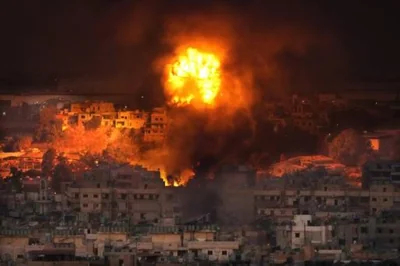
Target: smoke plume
{"points": [[262, 58]]}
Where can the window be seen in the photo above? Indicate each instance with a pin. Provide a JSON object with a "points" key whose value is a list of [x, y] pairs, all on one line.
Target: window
{"points": [[85, 205], [385, 199], [224, 252], [364, 230], [145, 186], [379, 230], [76, 195], [373, 199], [85, 195], [96, 205], [325, 188], [391, 231], [142, 216], [384, 189], [43, 184], [297, 235], [98, 185], [210, 252], [95, 196]]}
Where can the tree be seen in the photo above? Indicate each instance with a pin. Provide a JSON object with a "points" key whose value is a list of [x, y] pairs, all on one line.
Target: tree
{"points": [[48, 162], [49, 126], [122, 148], [62, 173], [350, 148], [79, 140]]}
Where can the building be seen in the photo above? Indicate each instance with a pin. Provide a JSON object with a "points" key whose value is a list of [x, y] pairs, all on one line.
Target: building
{"points": [[382, 142], [92, 107], [125, 192], [119, 244], [154, 125], [157, 128], [305, 117], [131, 119], [304, 231], [234, 187]]}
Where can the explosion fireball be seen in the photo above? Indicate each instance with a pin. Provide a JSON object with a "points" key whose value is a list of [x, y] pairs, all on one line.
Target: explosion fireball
{"points": [[194, 78]]}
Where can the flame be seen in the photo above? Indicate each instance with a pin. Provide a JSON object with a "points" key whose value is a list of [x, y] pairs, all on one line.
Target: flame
{"points": [[185, 176], [194, 77]]}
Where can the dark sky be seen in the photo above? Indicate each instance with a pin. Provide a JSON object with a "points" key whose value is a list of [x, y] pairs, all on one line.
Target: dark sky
{"points": [[119, 40]]}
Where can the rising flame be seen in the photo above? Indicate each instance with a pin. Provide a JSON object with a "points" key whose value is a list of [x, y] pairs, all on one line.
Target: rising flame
{"points": [[194, 77], [182, 180]]}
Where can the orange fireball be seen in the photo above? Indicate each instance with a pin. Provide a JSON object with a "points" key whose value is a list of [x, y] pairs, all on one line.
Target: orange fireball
{"points": [[194, 78]]}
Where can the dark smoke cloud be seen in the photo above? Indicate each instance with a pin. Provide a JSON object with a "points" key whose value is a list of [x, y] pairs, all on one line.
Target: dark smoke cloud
{"points": [[121, 38], [269, 53]]}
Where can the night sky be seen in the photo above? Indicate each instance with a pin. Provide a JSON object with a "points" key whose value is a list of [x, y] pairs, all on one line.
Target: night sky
{"points": [[118, 41]]}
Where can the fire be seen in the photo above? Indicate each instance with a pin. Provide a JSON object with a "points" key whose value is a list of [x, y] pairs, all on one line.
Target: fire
{"points": [[194, 78], [184, 177]]}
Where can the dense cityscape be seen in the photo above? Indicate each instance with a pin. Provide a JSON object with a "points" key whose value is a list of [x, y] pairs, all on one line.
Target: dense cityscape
{"points": [[145, 133], [64, 191]]}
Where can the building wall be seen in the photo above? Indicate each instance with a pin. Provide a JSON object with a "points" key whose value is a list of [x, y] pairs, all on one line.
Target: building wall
{"points": [[13, 246]]}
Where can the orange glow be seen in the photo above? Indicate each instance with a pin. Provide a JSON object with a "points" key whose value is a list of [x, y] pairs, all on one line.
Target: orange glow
{"points": [[185, 176], [194, 77]]}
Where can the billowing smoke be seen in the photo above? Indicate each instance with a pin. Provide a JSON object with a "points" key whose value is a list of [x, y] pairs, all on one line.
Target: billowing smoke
{"points": [[262, 59]]}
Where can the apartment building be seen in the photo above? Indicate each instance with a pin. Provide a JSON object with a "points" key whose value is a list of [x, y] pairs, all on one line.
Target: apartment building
{"points": [[303, 231], [326, 202], [131, 119], [118, 243], [383, 170], [92, 107], [125, 192], [157, 128], [154, 124]]}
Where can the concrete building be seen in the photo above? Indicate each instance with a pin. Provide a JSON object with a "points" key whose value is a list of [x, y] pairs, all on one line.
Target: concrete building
{"points": [[125, 192], [131, 119], [235, 184], [117, 244], [304, 231], [92, 107], [382, 142], [157, 128]]}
